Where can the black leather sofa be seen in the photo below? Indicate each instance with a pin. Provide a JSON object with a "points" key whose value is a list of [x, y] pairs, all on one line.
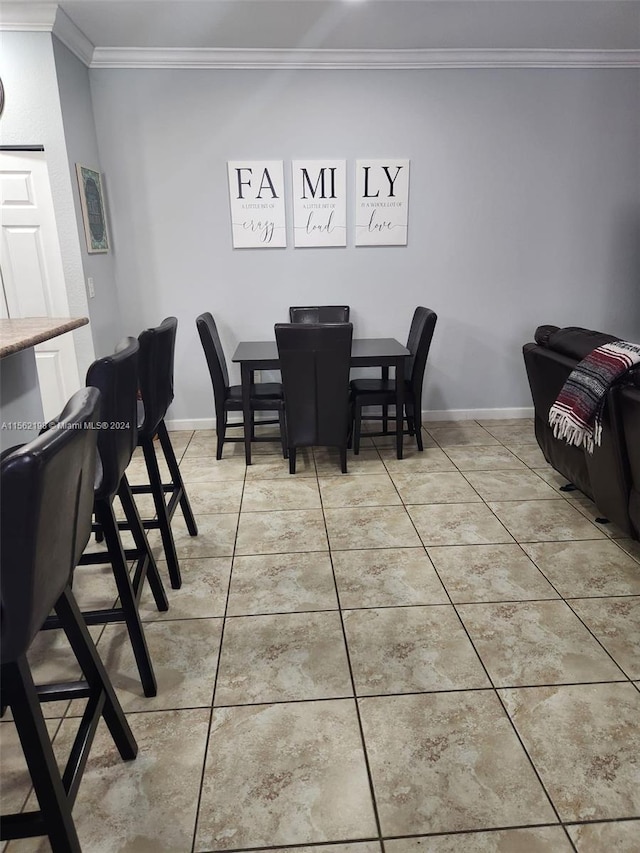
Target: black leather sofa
{"points": [[604, 476]]}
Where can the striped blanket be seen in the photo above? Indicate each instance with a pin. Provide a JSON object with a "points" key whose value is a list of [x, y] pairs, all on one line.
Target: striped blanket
{"points": [[576, 416]]}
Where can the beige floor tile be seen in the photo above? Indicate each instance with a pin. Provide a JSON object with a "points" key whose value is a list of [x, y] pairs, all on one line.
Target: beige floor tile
{"points": [[203, 593], [589, 568], [209, 498], [281, 583], [281, 532], [302, 778], [434, 488], [510, 485], [458, 524], [408, 443], [148, 804], [542, 642], [551, 476], [510, 434], [584, 741], [94, 587], [274, 495], [368, 490], [604, 837], [537, 839], [411, 649], [282, 658], [386, 577], [484, 459], [542, 521], [631, 547], [445, 762], [462, 436], [215, 538], [489, 573], [416, 461], [272, 467], [356, 847], [202, 444], [366, 462], [184, 654], [137, 473], [370, 527], [616, 623], [488, 423], [16, 780], [587, 507], [210, 470], [530, 454]]}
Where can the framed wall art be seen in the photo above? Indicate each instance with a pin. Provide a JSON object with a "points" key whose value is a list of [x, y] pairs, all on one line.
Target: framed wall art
{"points": [[319, 202], [256, 198], [93, 215], [382, 202]]}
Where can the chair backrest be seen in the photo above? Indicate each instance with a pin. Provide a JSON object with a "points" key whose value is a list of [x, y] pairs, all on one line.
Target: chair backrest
{"points": [[319, 314], [216, 362], [45, 519], [314, 362], [155, 371], [116, 376], [421, 331]]}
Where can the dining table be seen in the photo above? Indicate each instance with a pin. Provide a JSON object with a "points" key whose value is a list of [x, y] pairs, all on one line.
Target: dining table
{"points": [[365, 352]]}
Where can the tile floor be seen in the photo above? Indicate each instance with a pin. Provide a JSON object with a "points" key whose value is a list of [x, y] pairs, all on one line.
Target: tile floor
{"points": [[435, 654]]}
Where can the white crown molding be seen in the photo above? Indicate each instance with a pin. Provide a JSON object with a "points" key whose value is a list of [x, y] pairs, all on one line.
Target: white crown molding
{"points": [[223, 58], [72, 37], [27, 17]]}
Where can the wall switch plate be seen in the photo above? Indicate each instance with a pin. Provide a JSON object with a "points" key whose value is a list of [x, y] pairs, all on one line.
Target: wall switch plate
{"points": [[91, 288]]}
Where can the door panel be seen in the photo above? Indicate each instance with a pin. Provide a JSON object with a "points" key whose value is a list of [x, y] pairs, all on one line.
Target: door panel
{"points": [[32, 271]]}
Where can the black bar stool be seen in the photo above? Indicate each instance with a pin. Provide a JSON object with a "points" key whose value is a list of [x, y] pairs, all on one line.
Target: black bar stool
{"points": [[45, 523], [116, 376], [157, 348]]}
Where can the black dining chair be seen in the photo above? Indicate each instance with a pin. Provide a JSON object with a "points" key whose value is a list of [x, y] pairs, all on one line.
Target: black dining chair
{"points": [[382, 392], [116, 377], [45, 523], [314, 362], [265, 396], [319, 314], [155, 368]]}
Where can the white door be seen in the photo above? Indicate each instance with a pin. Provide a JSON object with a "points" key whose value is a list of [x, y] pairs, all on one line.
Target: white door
{"points": [[31, 269]]}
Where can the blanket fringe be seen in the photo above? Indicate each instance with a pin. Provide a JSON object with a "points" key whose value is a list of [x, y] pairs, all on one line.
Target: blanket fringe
{"points": [[572, 433]]}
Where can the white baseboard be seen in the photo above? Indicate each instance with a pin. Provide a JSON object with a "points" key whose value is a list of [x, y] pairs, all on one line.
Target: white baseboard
{"points": [[436, 415], [477, 414]]}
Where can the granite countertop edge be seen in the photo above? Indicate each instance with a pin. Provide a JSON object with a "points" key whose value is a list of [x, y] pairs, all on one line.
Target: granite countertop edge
{"points": [[22, 333]]}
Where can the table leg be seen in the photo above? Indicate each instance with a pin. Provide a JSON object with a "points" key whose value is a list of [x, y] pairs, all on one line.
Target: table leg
{"points": [[399, 405], [385, 408], [246, 379]]}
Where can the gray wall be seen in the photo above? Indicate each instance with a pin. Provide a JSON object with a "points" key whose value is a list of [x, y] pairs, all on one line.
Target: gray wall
{"points": [[81, 147], [32, 116], [524, 209]]}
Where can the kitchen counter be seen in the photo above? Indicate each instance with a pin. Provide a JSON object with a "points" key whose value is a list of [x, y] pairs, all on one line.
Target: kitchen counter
{"points": [[21, 406], [18, 335]]}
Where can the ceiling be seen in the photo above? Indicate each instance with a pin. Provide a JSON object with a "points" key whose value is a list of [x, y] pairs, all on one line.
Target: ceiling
{"points": [[105, 31]]}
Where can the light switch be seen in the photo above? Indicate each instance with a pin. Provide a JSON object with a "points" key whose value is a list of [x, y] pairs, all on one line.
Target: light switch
{"points": [[91, 288]]}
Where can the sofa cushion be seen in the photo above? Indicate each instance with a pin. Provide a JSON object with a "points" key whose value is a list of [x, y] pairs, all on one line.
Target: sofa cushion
{"points": [[572, 341]]}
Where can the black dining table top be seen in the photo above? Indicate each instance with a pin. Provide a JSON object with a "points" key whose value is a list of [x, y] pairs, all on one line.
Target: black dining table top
{"points": [[363, 351]]}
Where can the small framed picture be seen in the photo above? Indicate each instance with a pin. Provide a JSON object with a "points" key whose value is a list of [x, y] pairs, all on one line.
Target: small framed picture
{"points": [[93, 215]]}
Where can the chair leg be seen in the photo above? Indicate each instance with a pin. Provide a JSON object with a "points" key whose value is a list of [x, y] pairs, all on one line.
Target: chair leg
{"points": [[95, 673], [55, 808], [176, 478], [150, 570], [357, 426], [106, 519], [292, 460], [283, 432], [343, 459], [221, 431], [164, 522], [416, 411]]}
